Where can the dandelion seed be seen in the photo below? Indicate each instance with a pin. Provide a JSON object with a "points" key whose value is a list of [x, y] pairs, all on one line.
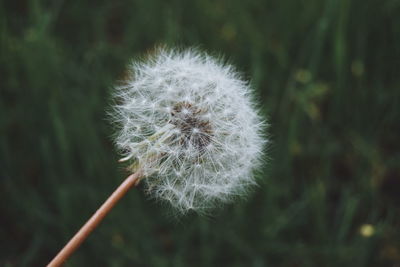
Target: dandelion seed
{"points": [[204, 130]]}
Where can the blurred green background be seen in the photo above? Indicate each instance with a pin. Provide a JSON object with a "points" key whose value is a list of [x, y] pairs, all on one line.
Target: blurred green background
{"points": [[327, 74]]}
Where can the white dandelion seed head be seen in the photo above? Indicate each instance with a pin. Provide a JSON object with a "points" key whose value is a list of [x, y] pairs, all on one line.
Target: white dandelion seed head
{"points": [[189, 123]]}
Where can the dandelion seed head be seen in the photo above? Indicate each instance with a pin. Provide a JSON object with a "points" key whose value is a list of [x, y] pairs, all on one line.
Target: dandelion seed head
{"points": [[190, 124]]}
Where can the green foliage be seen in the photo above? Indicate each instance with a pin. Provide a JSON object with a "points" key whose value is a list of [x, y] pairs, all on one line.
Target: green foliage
{"points": [[327, 75]]}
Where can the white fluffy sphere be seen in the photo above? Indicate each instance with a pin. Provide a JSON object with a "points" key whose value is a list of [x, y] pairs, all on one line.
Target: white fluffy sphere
{"points": [[189, 123]]}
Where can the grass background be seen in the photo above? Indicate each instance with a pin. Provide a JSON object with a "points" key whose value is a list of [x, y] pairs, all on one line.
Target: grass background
{"points": [[327, 76]]}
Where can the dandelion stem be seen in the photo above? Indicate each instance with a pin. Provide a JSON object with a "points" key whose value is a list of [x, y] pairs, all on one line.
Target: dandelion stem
{"points": [[92, 223]]}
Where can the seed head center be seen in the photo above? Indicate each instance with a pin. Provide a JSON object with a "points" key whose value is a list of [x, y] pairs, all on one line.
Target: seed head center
{"points": [[194, 129]]}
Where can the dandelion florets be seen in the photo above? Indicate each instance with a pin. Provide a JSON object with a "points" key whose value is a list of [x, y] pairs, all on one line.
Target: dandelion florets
{"points": [[189, 123]]}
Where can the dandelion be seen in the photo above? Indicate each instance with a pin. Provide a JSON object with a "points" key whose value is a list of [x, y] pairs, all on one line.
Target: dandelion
{"points": [[189, 128], [190, 124], [367, 230]]}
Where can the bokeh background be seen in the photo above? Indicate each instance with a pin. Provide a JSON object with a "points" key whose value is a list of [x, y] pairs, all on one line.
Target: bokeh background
{"points": [[327, 75]]}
